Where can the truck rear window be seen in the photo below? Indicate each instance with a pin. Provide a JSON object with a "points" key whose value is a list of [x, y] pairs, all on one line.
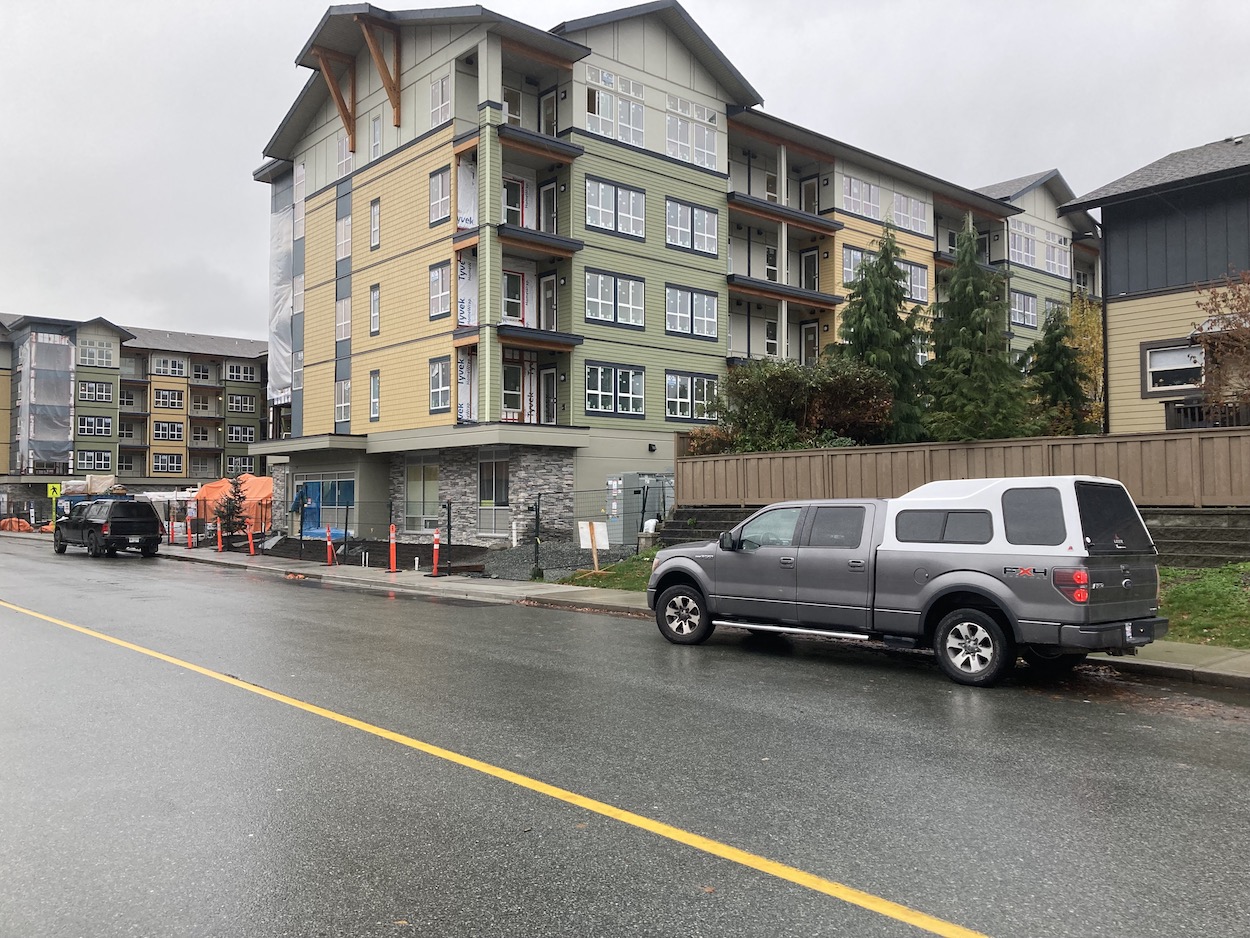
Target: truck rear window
{"points": [[924, 526], [132, 510], [1109, 521]]}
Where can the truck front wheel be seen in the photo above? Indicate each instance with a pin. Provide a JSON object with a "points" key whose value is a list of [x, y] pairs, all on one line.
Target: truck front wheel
{"points": [[682, 616], [58, 542], [972, 648]]}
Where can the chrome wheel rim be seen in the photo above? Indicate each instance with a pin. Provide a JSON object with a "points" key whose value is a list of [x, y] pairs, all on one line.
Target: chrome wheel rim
{"points": [[969, 647], [682, 615]]}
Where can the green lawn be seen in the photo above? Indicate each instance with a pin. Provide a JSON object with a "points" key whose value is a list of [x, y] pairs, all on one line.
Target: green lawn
{"points": [[1208, 606]]}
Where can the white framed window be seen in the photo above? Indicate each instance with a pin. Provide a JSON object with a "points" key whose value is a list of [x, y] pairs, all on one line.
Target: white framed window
{"points": [[440, 195], [1081, 280], [240, 433], [599, 383], [95, 426], [615, 389], [615, 208], [513, 201], [297, 293], [440, 384], [440, 290], [167, 462], [1053, 308], [1058, 254], [375, 309], [344, 155], [100, 391], [343, 318], [852, 259], [173, 367], [690, 132], [1023, 309], [237, 372], [611, 298], [167, 398], [770, 187], [375, 138], [200, 372], [440, 100], [513, 380], [95, 353], [689, 396], [297, 370], [691, 312], [199, 434], [244, 403], [911, 214], [614, 106], [343, 238], [600, 112], [513, 295], [343, 400], [690, 226], [237, 465], [126, 463], [297, 202], [375, 224], [915, 281], [770, 262], [512, 106], [94, 459], [375, 395], [861, 197], [1177, 367], [770, 337], [1022, 243], [170, 430]]}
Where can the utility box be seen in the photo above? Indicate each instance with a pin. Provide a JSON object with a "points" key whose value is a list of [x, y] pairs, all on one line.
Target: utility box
{"points": [[631, 499]]}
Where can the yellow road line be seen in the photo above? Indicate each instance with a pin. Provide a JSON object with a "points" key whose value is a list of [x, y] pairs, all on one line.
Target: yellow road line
{"points": [[791, 874]]}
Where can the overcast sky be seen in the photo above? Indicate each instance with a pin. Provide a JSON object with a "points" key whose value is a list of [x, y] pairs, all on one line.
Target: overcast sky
{"points": [[134, 127]]}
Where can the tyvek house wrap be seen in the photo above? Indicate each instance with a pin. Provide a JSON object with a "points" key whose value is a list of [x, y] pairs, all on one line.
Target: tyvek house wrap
{"points": [[281, 296], [46, 416]]}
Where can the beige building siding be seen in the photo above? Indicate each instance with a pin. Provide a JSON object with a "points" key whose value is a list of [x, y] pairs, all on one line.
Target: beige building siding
{"points": [[1131, 322], [404, 385], [319, 398]]}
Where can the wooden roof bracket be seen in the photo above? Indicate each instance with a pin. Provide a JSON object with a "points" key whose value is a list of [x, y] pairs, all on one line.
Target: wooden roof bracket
{"points": [[390, 76], [326, 60]]}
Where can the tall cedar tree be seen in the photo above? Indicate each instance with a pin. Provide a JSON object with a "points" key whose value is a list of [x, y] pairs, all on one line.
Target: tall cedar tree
{"points": [[1085, 320], [229, 509], [1055, 379], [878, 330], [976, 391], [770, 405]]}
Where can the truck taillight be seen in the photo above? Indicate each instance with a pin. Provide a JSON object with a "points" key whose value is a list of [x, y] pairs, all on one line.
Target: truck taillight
{"points": [[104, 529], [162, 524], [1073, 582]]}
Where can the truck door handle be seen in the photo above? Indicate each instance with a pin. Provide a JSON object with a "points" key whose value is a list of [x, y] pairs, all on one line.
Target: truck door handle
{"points": [[855, 564], [787, 562]]}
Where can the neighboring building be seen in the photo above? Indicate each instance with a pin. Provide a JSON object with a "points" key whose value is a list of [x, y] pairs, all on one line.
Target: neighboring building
{"points": [[142, 404], [1181, 223], [1047, 257]]}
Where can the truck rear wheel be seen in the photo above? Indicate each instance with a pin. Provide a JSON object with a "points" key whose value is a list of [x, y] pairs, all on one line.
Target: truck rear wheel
{"points": [[682, 616], [973, 649], [94, 547]]}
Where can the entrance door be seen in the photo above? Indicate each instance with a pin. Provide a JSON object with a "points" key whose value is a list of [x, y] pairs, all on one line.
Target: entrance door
{"points": [[547, 389], [547, 303], [811, 342]]}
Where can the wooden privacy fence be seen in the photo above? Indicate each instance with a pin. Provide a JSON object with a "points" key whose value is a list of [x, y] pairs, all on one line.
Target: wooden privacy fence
{"points": [[1189, 468]]}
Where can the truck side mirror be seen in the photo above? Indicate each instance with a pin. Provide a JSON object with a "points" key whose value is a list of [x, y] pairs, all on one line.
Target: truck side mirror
{"points": [[726, 541]]}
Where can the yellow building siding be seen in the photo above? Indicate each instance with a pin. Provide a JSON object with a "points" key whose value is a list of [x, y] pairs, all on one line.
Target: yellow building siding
{"points": [[318, 398], [1130, 323], [404, 385], [866, 235]]}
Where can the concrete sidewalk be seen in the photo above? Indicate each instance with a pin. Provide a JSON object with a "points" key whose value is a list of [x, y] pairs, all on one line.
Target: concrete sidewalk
{"points": [[1201, 664]]}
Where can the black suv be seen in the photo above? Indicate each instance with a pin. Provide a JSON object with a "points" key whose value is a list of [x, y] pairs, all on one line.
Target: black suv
{"points": [[106, 526]]}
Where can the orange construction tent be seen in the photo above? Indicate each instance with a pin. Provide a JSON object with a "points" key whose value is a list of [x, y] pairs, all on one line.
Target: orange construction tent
{"points": [[257, 499]]}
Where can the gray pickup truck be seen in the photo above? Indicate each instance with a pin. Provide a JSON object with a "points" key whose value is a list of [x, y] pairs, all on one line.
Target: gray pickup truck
{"points": [[107, 525], [1049, 568]]}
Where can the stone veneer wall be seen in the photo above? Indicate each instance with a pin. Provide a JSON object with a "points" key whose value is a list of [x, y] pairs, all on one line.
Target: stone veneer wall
{"points": [[281, 475]]}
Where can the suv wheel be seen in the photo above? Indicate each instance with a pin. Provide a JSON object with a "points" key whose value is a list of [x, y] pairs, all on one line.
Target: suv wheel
{"points": [[149, 550], [1046, 659], [94, 547], [58, 542], [972, 648], [682, 616]]}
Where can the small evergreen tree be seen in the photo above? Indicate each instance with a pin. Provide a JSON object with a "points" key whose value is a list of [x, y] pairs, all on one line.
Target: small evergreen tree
{"points": [[229, 509], [976, 391], [1055, 379], [878, 331]]}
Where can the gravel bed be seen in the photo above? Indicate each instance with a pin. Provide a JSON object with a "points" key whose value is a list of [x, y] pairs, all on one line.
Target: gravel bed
{"points": [[558, 560]]}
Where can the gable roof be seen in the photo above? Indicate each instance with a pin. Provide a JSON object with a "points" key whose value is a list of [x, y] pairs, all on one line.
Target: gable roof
{"points": [[1014, 188], [15, 323], [684, 27], [1184, 168]]}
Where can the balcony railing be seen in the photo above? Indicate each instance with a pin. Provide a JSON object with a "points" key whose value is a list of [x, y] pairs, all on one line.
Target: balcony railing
{"points": [[1194, 415]]}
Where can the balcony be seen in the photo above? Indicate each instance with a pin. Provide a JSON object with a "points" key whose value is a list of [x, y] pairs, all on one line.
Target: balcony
{"points": [[535, 245], [750, 287], [534, 150], [1192, 414], [750, 209]]}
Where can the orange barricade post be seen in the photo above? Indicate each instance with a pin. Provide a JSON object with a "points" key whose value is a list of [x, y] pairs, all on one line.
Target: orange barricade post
{"points": [[251, 545], [186, 520], [329, 548], [393, 568], [219, 536], [435, 573]]}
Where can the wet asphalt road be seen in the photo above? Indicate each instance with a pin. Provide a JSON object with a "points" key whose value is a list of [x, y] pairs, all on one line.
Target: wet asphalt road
{"points": [[141, 798]]}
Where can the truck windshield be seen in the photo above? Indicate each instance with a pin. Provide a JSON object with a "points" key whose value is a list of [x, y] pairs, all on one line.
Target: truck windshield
{"points": [[1109, 521]]}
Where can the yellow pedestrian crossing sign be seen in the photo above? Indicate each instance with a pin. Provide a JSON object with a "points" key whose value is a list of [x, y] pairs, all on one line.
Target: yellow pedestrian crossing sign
{"points": [[54, 490]]}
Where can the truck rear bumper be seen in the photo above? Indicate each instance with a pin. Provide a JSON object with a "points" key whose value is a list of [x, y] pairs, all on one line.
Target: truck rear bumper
{"points": [[1113, 635]]}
